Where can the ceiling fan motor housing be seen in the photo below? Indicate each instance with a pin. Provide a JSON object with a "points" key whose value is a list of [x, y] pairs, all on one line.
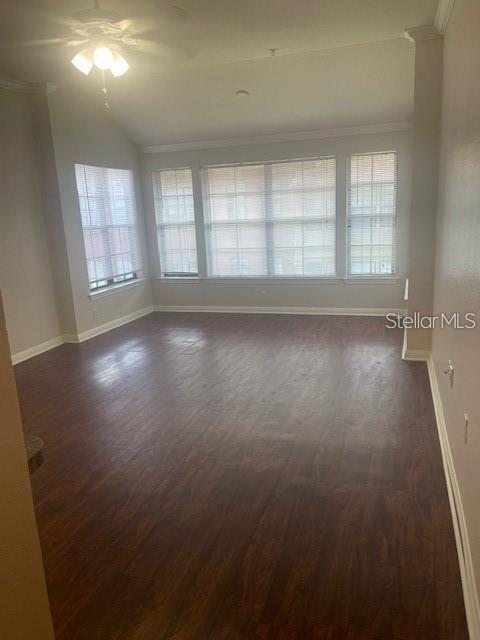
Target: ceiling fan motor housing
{"points": [[98, 25]]}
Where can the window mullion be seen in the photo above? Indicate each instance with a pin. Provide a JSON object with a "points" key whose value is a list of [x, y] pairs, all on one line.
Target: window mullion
{"points": [[108, 222], [200, 226], [269, 245], [342, 233]]}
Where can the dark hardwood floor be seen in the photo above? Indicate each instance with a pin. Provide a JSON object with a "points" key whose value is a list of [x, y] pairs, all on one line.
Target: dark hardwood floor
{"points": [[214, 477]]}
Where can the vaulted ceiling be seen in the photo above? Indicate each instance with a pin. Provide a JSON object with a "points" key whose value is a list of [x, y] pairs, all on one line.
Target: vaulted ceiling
{"points": [[336, 63]]}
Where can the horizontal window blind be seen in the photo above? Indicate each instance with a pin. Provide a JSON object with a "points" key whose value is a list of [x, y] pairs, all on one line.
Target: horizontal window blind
{"points": [[275, 219], [173, 197], [303, 218], [234, 210], [109, 220], [371, 214]]}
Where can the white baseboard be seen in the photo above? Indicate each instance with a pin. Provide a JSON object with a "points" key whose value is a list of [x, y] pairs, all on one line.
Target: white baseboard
{"points": [[317, 311], [416, 355], [81, 337], [36, 350], [470, 593], [113, 324], [118, 322]]}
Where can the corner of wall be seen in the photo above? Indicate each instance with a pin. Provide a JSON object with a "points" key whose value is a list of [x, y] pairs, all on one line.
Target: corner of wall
{"points": [[53, 211]]}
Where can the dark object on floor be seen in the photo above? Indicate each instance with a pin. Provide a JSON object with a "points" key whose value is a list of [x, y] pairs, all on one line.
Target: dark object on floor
{"points": [[34, 447]]}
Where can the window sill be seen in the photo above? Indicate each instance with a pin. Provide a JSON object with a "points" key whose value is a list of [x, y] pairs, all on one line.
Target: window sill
{"points": [[274, 280], [179, 278], [372, 280], [281, 280], [115, 288], [254, 280]]}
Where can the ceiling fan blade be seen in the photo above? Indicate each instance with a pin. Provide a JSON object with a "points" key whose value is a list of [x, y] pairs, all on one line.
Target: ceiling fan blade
{"points": [[76, 43], [151, 20], [162, 49], [33, 43]]}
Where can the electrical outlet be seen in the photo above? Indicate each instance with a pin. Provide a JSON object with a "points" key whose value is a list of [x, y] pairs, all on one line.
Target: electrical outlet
{"points": [[450, 371], [465, 415]]}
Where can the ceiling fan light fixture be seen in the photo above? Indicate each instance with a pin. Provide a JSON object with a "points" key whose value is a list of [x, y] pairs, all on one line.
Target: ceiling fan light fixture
{"points": [[82, 61], [103, 58], [119, 65]]}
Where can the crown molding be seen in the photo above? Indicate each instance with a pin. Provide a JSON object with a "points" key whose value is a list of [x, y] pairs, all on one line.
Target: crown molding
{"points": [[10, 84], [424, 32], [280, 137], [20, 86], [49, 87], [444, 12]]}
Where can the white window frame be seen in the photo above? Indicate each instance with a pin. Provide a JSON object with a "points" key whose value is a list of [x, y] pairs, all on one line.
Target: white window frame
{"points": [[392, 276], [118, 281], [180, 275], [269, 222], [342, 177]]}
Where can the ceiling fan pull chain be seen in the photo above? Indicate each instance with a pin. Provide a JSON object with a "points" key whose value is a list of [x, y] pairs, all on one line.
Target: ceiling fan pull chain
{"points": [[104, 91]]}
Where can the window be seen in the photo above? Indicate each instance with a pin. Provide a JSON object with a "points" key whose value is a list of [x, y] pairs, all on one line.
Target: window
{"points": [[109, 220], [275, 219], [371, 210], [235, 220], [173, 197], [303, 218]]}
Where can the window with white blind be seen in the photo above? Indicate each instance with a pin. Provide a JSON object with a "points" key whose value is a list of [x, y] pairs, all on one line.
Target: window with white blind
{"points": [[371, 212], [275, 219], [235, 216], [173, 197], [109, 220], [303, 218]]}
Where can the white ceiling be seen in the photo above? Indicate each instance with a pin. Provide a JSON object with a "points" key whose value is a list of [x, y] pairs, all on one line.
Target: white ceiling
{"points": [[323, 90], [339, 63]]}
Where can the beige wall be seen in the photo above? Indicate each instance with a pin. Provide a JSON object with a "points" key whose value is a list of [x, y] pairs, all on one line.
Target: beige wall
{"points": [[47, 170], [24, 609], [25, 269], [457, 269], [427, 96], [264, 293], [83, 132], [43, 273]]}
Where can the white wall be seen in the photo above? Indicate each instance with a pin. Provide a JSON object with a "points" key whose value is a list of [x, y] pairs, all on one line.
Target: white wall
{"points": [[301, 293], [457, 269], [25, 268], [83, 132]]}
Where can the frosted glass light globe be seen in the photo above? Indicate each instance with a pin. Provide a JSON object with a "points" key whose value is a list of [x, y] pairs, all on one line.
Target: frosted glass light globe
{"points": [[102, 58]]}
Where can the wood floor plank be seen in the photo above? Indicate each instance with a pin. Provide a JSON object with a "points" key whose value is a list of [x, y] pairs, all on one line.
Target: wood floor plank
{"points": [[260, 477]]}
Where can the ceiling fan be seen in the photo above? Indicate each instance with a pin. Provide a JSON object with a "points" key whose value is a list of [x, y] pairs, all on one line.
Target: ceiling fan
{"points": [[103, 37]]}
